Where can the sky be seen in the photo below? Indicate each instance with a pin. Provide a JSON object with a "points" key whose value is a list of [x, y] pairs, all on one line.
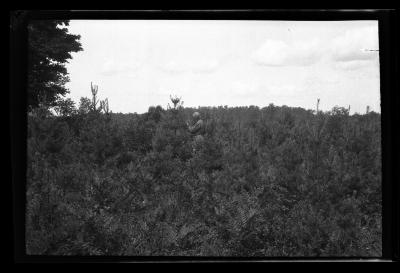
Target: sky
{"points": [[139, 63]]}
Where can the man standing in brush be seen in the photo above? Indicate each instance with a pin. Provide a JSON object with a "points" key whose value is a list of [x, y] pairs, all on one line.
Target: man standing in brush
{"points": [[196, 130]]}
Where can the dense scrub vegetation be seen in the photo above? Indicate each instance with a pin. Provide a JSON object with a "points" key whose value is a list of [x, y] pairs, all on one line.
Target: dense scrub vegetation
{"points": [[275, 181]]}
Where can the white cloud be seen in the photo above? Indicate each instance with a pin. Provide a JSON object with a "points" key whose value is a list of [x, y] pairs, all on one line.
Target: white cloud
{"points": [[355, 45], [205, 66], [272, 53], [280, 53], [193, 64], [283, 90], [258, 92], [352, 65], [240, 88], [167, 91], [173, 67], [112, 67]]}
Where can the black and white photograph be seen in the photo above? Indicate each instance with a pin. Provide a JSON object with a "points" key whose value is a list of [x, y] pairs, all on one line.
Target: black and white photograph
{"points": [[203, 138]]}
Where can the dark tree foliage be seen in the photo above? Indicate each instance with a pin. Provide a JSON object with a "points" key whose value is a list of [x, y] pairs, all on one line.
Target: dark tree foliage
{"points": [[275, 181], [49, 48]]}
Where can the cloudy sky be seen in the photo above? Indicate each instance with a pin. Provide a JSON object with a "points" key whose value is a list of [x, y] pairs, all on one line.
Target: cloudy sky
{"points": [[209, 63]]}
